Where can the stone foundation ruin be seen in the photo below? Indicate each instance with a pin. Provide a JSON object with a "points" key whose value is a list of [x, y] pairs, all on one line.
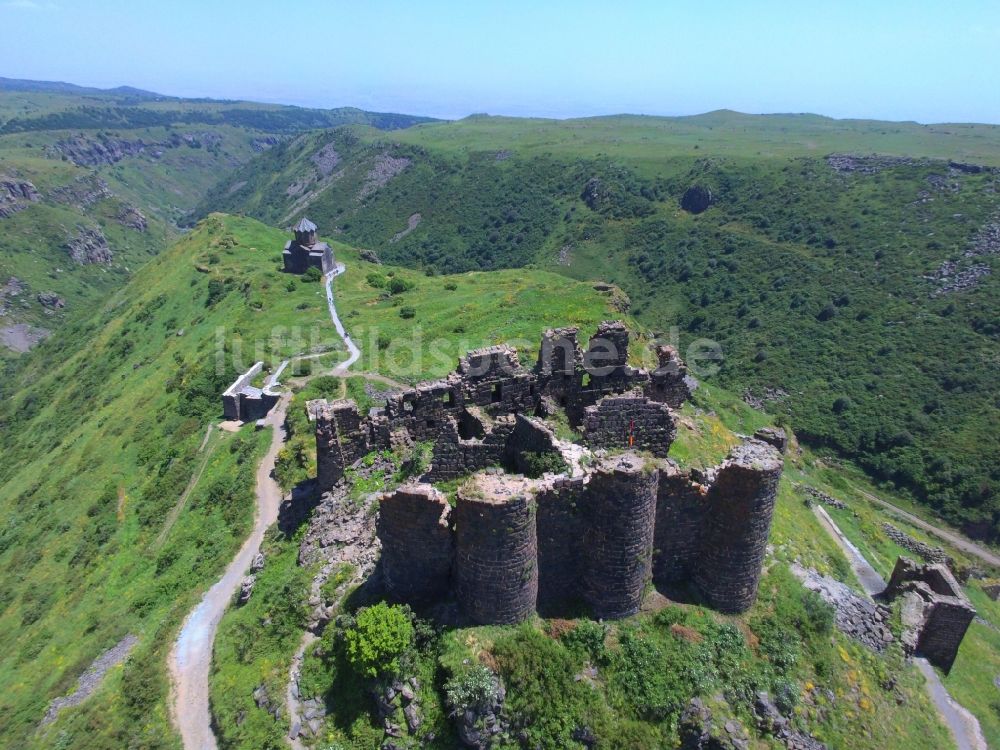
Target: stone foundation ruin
{"points": [[602, 520], [935, 611]]}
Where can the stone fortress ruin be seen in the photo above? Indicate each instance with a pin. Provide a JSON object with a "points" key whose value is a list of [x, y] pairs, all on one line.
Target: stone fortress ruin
{"points": [[603, 519], [306, 250]]}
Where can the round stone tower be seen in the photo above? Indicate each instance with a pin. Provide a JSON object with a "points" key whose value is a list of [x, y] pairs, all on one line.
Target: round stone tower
{"points": [[417, 546], [496, 550], [618, 540], [737, 521]]}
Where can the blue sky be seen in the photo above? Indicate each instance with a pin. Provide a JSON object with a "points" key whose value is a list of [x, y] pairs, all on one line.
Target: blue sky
{"points": [[923, 60]]}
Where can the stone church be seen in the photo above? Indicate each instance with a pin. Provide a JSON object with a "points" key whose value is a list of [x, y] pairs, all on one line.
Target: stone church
{"points": [[306, 251]]}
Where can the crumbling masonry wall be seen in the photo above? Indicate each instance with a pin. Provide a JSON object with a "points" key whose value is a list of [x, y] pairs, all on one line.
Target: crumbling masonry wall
{"points": [[493, 381], [935, 611], [414, 525], [342, 437], [523, 545], [630, 421]]}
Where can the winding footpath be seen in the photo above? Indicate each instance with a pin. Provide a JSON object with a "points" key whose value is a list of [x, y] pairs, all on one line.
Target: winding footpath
{"points": [[190, 657], [964, 727]]}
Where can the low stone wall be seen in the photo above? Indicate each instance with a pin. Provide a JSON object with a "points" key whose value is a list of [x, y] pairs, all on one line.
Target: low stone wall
{"points": [[414, 525], [496, 552], [907, 542]]}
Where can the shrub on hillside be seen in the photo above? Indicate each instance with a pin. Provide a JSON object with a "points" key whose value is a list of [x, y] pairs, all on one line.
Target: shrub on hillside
{"points": [[379, 638]]}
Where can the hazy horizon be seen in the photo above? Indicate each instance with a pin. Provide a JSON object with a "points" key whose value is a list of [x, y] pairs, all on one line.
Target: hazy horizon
{"points": [[898, 61]]}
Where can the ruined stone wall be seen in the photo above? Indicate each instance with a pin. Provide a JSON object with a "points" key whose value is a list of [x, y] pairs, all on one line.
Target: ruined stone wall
{"points": [[496, 553], [620, 509], [681, 503], [342, 437], [669, 382], [935, 613], [738, 518], [455, 457], [630, 421], [417, 543], [560, 526]]}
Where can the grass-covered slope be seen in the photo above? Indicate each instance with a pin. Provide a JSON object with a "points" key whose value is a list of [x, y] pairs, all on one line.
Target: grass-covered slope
{"points": [[120, 501], [119, 509], [859, 298], [125, 163]]}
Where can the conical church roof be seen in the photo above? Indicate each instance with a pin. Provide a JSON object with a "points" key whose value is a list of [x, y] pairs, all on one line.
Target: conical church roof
{"points": [[304, 226]]}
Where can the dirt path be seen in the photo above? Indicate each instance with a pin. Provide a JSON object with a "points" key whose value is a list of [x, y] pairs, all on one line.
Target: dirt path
{"points": [[292, 703], [964, 727], [191, 656], [959, 541]]}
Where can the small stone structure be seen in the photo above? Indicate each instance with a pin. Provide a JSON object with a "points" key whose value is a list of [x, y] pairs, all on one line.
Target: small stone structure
{"points": [[935, 611], [773, 435], [244, 402], [306, 251], [594, 532]]}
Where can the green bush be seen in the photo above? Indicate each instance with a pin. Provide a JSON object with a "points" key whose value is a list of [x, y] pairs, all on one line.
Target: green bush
{"points": [[407, 312], [398, 285], [312, 274], [535, 464], [380, 636]]}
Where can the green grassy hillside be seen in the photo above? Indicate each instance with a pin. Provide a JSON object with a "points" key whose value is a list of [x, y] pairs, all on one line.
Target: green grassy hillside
{"points": [[124, 163], [859, 297], [119, 510]]}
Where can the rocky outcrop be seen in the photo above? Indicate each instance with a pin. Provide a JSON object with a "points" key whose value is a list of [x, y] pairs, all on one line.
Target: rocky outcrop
{"points": [[774, 436], [91, 678], [385, 167], [15, 195], [867, 164], [89, 246], [131, 217], [82, 192], [696, 199], [51, 300], [325, 160]]}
